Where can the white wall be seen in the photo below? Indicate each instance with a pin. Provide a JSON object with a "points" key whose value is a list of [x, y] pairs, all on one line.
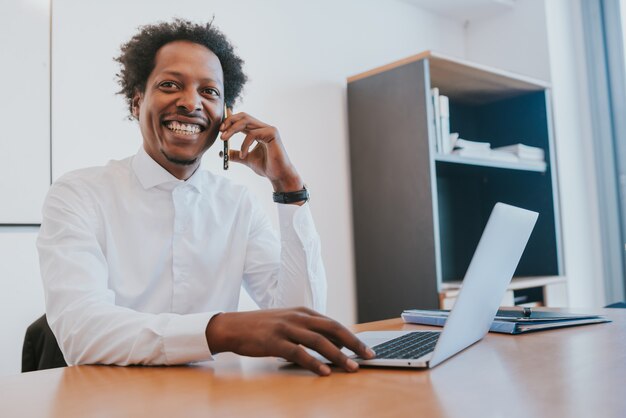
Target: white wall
{"points": [[24, 110], [543, 39], [514, 40], [579, 195], [24, 167], [21, 294], [298, 55]]}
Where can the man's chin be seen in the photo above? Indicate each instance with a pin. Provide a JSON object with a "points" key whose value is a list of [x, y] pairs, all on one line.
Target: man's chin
{"points": [[179, 160]]}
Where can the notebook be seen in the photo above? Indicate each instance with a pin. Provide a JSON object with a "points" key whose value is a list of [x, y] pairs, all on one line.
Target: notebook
{"points": [[492, 266]]}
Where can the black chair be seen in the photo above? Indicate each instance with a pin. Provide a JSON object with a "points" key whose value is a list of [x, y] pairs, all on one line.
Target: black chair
{"points": [[40, 350]]}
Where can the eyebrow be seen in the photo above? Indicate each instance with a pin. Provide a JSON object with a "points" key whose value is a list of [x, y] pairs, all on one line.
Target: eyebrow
{"points": [[181, 75]]}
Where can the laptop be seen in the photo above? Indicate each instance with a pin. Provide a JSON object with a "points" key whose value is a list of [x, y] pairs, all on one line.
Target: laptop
{"points": [[484, 285]]}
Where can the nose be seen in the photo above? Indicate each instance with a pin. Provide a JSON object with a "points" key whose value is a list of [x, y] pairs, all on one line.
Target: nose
{"points": [[189, 100]]}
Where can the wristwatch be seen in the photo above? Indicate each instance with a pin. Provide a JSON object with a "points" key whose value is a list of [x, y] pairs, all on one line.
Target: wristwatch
{"points": [[291, 197]]}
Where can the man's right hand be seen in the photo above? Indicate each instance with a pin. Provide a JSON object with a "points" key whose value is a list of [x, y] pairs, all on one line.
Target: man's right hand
{"points": [[283, 333]]}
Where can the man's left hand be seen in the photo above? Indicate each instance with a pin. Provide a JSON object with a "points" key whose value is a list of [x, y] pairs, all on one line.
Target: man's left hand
{"points": [[268, 158]]}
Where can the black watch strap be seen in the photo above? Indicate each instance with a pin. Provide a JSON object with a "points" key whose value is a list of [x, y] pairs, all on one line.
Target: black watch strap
{"points": [[291, 197]]}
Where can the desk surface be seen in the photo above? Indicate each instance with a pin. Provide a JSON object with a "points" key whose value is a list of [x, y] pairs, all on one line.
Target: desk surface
{"points": [[575, 372]]}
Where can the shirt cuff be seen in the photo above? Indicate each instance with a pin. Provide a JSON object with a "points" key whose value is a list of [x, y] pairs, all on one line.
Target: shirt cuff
{"points": [[296, 223], [184, 339]]}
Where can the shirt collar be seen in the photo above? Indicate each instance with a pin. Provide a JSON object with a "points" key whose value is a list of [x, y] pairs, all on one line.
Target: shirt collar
{"points": [[151, 174]]}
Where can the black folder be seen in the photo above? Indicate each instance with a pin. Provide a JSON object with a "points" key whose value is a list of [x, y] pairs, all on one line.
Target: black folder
{"points": [[511, 321]]}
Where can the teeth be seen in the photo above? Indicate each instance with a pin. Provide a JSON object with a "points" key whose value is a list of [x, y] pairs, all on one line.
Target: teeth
{"points": [[183, 128]]}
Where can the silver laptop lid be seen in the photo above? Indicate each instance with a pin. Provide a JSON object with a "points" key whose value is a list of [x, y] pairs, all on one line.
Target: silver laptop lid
{"points": [[488, 275]]}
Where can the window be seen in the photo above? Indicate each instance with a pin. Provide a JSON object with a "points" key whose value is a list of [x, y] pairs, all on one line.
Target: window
{"points": [[604, 22], [623, 10]]}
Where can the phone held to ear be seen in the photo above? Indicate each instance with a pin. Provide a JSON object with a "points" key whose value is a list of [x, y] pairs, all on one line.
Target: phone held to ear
{"points": [[227, 113]]}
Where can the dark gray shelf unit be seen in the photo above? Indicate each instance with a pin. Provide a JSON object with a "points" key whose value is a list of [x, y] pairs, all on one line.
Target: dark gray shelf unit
{"points": [[417, 220]]}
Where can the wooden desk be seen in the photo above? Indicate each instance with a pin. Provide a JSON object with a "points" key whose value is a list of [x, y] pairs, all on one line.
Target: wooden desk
{"points": [[575, 372]]}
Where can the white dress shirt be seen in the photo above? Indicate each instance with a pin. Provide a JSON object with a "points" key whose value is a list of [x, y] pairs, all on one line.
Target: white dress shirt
{"points": [[135, 262]]}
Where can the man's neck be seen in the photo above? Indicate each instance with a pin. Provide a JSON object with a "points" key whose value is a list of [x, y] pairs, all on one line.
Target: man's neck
{"points": [[179, 170]]}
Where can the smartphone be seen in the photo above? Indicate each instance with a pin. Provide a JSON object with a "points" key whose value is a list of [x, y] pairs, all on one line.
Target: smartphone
{"points": [[226, 147]]}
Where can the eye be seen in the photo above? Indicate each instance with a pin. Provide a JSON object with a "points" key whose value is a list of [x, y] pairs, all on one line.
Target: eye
{"points": [[168, 86], [211, 91]]}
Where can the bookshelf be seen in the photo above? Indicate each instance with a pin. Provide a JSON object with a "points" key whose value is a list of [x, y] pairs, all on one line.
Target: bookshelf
{"points": [[418, 214]]}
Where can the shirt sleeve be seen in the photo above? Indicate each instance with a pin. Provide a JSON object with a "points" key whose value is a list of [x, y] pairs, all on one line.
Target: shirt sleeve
{"points": [[285, 271], [80, 308]]}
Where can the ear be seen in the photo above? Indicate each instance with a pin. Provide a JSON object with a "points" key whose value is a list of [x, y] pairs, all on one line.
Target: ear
{"points": [[136, 104]]}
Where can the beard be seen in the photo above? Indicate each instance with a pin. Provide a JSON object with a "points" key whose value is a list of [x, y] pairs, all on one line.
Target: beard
{"points": [[179, 161]]}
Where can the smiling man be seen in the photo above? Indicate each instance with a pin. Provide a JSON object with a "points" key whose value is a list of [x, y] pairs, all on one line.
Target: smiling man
{"points": [[143, 259]]}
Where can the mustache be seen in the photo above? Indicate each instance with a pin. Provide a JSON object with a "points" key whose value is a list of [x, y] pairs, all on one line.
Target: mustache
{"points": [[195, 114]]}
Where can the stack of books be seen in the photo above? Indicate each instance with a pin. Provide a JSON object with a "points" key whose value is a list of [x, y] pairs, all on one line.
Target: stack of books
{"points": [[513, 321], [441, 107]]}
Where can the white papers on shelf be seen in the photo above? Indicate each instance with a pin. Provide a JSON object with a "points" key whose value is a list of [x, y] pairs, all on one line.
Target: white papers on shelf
{"points": [[495, 155], [454, 136], [473, 145], [486, 154], [524, 152]]}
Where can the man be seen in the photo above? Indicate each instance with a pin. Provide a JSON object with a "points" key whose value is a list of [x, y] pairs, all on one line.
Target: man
{"points": [[142, 260]]}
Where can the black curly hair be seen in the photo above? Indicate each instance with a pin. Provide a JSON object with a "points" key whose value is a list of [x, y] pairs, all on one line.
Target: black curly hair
{"points": [[138, 56]]}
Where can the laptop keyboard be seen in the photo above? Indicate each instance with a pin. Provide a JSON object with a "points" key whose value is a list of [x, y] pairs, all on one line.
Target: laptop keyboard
{"points": [[408, 346]]}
